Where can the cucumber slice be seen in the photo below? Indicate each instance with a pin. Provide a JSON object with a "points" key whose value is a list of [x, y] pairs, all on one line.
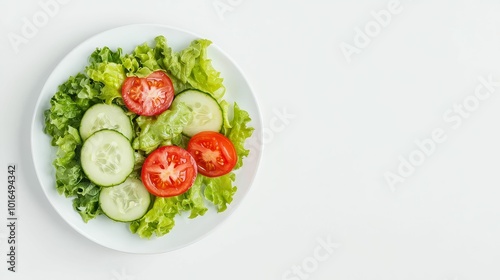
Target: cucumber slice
{"points": [[207, 113], [105, 116], [125, 202], [107, 158]]}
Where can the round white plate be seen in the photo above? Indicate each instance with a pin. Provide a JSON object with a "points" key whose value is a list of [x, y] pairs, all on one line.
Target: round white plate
{"points": [[116, 235]]}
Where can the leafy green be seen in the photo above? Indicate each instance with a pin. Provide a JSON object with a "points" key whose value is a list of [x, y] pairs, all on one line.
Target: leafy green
{"points": [[105, 55], [105, 67], [239, 132], [226, 125], [159, 220], [146, 56], [193, 199], [141, 62], [162, 130], [68, 105], [220, 190], [191, 65], [87, 201]]}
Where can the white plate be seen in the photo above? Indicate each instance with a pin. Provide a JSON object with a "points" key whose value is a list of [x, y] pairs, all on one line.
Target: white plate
{"points": [[116, 235]]}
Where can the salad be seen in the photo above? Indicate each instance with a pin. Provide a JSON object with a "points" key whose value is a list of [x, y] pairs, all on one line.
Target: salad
{"points": [[143, 137]]}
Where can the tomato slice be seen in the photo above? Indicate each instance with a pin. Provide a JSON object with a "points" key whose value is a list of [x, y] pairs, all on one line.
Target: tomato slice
{"points": [[149, 96], [168, 171], [213, 152]]}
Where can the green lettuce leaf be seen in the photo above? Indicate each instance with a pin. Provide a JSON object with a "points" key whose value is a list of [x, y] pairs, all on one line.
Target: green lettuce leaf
{"points": [[226, 125], [141, 62], [220, 190], [194, 199], [111, 75], [105, 54], [191, 65], [238, 133], [68, 105], [146, 56], [159, 220], [87, 201], [130, 64], [67, 146], [68, 169], [162, 130], [105, 67]]}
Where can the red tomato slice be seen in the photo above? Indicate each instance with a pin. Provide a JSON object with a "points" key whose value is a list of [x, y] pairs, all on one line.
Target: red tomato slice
{"points": [[149, 96], [213, 152], [168, 171]]}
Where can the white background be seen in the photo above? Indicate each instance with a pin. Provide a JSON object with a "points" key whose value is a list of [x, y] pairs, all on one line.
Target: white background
{"points": [[321, 177]]}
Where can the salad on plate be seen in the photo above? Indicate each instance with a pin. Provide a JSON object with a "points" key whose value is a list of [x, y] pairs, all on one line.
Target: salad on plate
{"points": [[145, 136]]}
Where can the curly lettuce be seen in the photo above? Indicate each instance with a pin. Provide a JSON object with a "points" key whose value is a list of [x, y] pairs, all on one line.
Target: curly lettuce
{"points": [[238, 133], [105, 67], [166, 129], [191, 65], [68, 105]]}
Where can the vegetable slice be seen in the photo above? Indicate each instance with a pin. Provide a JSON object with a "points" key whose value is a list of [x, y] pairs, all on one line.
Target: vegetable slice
{"points": [[213, 152], [125, 202], [107, 158], [207, 113], [149, 96], [168, 171], [104, 116]]}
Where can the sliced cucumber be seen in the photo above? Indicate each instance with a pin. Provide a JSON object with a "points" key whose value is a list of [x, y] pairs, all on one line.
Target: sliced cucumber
{"points": [[125, 202], [105, 116], [107, 158], [207, 113]]}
